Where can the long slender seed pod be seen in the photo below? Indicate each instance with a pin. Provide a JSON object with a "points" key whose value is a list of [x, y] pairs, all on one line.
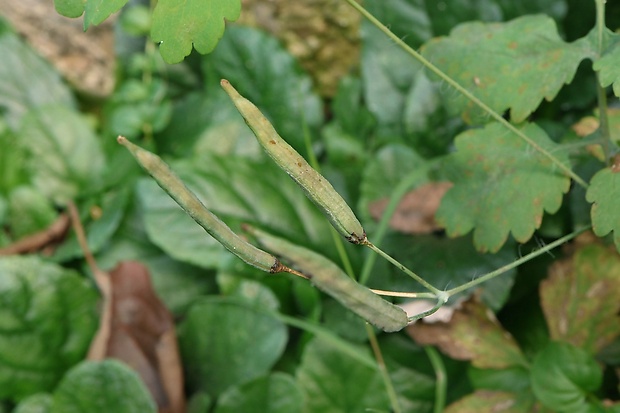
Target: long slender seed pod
{"points": [[177, 190], [316, 187], [329, 278]]}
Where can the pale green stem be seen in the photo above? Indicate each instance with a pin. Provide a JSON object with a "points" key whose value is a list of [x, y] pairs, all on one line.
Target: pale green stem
{"points": [[441, 300], [387, 380], [516, 263], [397, 193], [600, 91], [404, 269], [441, 382], [403, 294], [467, 93]]}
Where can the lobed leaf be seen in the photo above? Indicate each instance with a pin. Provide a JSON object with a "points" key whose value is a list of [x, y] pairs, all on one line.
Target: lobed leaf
{"points": [[483, 56], [179, 25], [96, 11], [603, 193], [607, 65], [581, 298], [501, 185]]}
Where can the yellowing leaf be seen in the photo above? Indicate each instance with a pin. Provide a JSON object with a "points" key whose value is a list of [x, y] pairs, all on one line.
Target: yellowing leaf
{"points": [[501, 185], [512, 65], [178, 25], [581, 298], [473, 333], [489, 401]]}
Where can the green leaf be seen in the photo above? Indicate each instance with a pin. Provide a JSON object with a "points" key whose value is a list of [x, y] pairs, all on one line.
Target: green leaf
{"points": [[511, 379], [276, 393], [444, 16], [176, 283], [563, 376], [237, 190], [12, 157], [607, 64], [37, 403], [501, 185], [179, 25], [47, 316], [188, 134], [603, 193], [415, 390], [29, 211], [234, 341], [581, 298], [447, 263], [65, 155], [101, 387], [96, 11], [27, 81], [109, 208], [512, 65], [333, 382], [265, 73], [69, 8], [489, 401]]}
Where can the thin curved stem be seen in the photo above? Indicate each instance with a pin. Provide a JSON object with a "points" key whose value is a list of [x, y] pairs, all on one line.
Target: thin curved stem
{"points": [[387, 380], [430, 66], [441, 300], [600, 91], [397, 193], [404, 269], [516, 263], [441, 382], [403, 294]]}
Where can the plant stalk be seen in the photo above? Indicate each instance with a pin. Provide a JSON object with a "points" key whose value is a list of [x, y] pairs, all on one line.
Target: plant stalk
{"points": [[430, 66]]}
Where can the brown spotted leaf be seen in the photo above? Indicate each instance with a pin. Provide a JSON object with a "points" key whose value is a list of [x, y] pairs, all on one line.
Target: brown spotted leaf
{"points": [[581, 298], [473, 333], [137, 328], [501, 186]]}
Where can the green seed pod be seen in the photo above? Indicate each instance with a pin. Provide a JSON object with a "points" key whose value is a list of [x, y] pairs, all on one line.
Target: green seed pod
{"points": [[329, 278], [316, 187], [177, 190]]}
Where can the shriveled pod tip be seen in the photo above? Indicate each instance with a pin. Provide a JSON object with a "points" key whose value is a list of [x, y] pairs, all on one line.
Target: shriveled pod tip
{"points": [[190, 203], [317, 188]]}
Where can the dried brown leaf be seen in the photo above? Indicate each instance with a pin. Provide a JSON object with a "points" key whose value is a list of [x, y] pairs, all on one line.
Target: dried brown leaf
{"points": [[473, 334], [415, 213], [137, 328]]}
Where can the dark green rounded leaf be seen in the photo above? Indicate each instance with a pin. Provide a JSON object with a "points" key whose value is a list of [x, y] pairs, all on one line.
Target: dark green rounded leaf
{"points": [[563, 375], [102, 387], [37, 403], [333, 382], [277, 393], [226, 342], [65, 155], [47, 319], [27, 81]]}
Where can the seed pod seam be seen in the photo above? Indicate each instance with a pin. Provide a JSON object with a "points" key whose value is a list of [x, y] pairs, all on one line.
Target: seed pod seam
{"points": [[318, 189], [190, 203], [329, 278]]}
